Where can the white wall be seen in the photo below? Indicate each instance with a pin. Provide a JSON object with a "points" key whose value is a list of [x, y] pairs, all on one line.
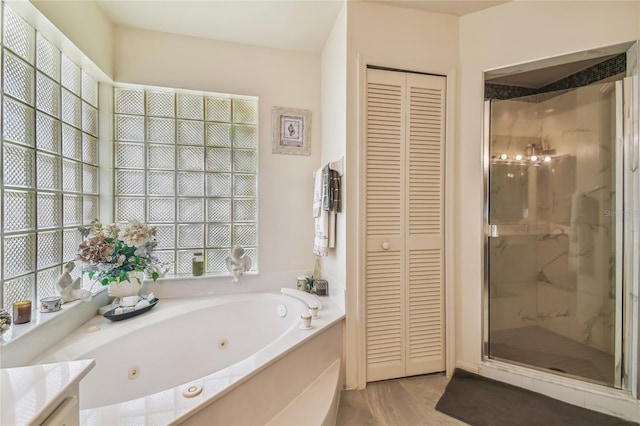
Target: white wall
{"points": [[501, 36], [84, 23], [400, 38], [334, 139], [278, 78]]}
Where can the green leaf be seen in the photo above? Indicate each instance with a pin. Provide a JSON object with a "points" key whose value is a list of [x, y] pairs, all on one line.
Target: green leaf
{"points": [[105, 281], [155, 275], [91, 274]]}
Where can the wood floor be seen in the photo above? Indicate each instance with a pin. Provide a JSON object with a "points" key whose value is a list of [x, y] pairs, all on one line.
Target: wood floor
{"points": [[402, 402]]}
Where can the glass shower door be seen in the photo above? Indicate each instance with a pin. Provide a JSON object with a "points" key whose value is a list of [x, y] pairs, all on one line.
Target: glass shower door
{"points": [[553, 273]]}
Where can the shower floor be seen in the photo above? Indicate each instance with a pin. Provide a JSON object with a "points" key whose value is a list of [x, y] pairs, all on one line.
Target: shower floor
{"points": [[540, 347]]}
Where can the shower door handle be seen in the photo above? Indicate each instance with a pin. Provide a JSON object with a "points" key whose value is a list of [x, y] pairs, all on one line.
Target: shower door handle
{"points": [[493, 231]]}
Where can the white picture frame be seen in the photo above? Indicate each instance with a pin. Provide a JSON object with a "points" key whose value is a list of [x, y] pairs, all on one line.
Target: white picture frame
{"points": [[291, 131]]}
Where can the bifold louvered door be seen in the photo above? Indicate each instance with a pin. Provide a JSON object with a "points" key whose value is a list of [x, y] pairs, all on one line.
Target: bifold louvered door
{"points": [[404, 217]]}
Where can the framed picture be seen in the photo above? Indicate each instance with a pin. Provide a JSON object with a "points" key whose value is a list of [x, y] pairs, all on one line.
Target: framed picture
{"points": [[291, 131]]}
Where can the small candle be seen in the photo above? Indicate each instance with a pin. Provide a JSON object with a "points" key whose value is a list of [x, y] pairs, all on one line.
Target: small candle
{"points": [[21, 311]]}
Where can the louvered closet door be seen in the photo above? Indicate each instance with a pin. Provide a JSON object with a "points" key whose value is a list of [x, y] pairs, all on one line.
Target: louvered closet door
{"points": [[424, 219], [385, 273], [404, 283]]}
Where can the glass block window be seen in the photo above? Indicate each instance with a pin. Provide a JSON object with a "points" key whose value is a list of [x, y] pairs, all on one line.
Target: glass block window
{"points": [[188, 164], [49, 161]]}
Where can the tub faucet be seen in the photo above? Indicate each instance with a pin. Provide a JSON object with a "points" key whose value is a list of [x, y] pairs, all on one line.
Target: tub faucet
{"points": [[238, 263], [309, 299]]}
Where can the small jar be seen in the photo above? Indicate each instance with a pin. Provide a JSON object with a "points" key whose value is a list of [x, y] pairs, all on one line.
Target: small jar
{"points": [[322, 287], [197, 267], [50, 304], [302, 283]]}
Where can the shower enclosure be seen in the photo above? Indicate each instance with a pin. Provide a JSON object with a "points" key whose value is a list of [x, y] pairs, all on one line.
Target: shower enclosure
{"points": [[554, 232]]}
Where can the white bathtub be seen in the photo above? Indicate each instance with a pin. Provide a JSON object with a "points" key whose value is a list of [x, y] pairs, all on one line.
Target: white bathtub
{"points": [[250, 361]]}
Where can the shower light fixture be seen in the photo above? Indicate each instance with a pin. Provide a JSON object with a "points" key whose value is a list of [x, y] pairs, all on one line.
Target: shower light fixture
{"points": [[519, 157]]}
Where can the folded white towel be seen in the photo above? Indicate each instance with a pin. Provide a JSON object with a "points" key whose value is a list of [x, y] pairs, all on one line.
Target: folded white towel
{"points": [[317, 194], [321, 240]]}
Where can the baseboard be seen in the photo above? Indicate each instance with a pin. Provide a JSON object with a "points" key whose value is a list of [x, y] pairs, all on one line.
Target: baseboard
{"points": [[468, 366]]}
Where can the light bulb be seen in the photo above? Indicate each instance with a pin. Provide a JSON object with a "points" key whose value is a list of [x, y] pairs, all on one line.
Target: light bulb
{"points": [[503, 156], [518, 157], [534, 158], [547, 159]]}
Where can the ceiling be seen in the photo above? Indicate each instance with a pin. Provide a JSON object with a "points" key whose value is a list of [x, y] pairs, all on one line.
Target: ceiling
{"points": [[299, 25], [450, 7]]}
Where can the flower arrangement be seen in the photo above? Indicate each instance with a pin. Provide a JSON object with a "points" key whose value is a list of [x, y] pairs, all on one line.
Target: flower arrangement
{"points": [[110, 253], [5, 321]]}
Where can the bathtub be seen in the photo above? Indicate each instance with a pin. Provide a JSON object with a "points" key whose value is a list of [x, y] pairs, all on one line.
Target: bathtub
{"points": [[232, 359]]}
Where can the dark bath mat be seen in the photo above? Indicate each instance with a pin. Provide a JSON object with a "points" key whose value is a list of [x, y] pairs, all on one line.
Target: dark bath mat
{"points": [[479, 401]]}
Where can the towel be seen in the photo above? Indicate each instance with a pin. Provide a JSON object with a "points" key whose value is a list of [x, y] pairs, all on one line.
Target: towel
{"points": [[332, 229], [331, 195], [317, 193], [584, 223], [321, 239], [326, 203], [321, 218]]}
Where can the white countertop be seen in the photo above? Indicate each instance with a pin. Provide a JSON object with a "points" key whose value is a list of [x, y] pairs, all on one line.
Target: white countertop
{"points": [[27, 393]]}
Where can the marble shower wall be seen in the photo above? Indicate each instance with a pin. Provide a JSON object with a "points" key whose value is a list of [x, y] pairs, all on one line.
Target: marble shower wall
{"points": [[581, 124], [552, 264]]}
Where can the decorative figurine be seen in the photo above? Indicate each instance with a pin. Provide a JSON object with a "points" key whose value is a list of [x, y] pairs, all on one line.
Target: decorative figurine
{"points": [[238, 263], [69, 288], [160, 269]]}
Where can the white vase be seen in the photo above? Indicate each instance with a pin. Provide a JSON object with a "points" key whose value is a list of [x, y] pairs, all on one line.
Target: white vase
{"points": [[122, 289]]}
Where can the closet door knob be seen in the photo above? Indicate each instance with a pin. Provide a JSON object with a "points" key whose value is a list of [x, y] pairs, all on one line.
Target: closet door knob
{"points": [[386, 245]]}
